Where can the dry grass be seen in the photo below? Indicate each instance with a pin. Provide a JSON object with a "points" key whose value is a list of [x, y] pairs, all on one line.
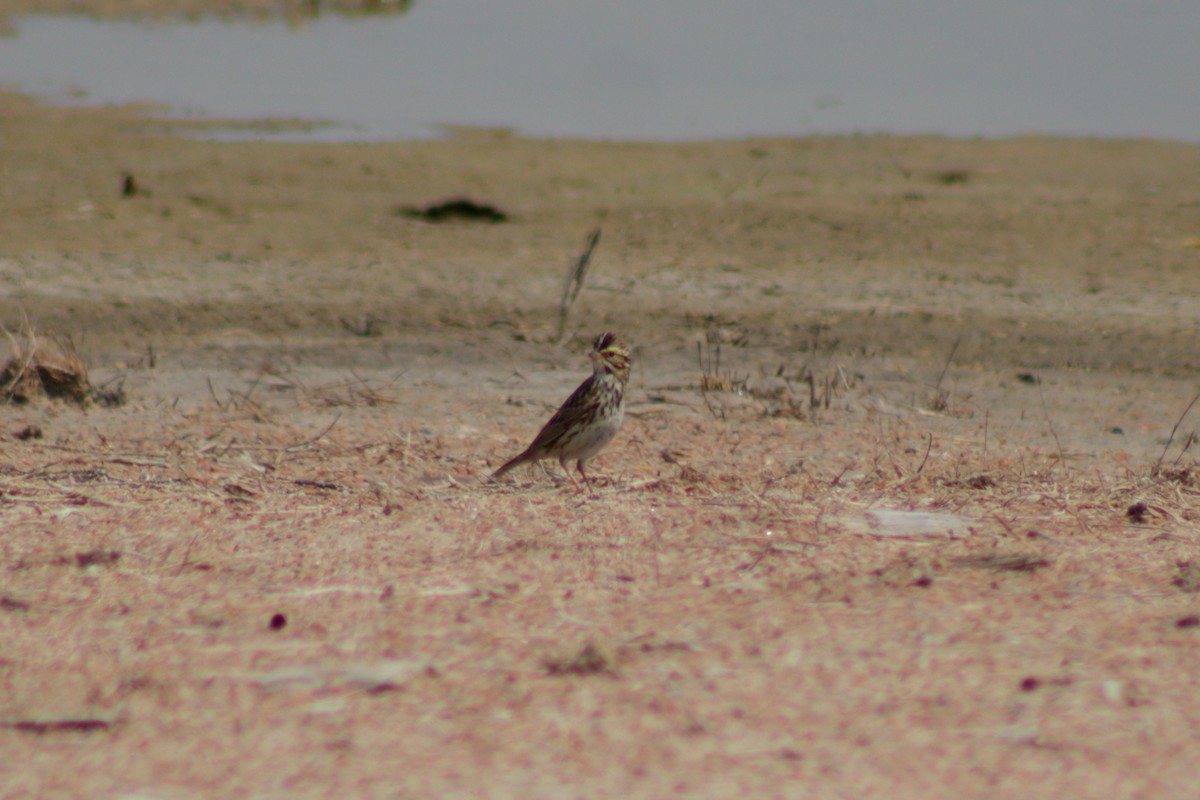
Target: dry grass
{"points": [[43, 366], [248, 587]]}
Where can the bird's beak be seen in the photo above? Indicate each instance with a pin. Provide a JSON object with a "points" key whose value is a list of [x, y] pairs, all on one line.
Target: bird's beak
{"points": [[594, 356]]}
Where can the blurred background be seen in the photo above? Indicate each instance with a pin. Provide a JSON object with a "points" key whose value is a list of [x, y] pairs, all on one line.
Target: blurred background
{"points": [[668, 70]]}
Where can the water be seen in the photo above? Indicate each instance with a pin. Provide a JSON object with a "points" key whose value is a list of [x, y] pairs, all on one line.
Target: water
{"points": [[669, 69]]}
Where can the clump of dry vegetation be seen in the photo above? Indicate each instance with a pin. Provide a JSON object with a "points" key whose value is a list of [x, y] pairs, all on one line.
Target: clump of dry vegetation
{"points": [[713, 377], [44, 366], [590, 660]]}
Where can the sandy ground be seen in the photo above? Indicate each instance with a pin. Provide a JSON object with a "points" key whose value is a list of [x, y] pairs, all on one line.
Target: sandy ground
{"points": [[921, 531]]}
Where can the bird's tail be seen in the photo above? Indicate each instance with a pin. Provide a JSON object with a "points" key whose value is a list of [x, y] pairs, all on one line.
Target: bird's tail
{"points": [[515, 462]]}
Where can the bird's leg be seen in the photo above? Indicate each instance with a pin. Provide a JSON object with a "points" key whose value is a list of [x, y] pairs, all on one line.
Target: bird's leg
{"points": [[562, 462], [579, 466]]}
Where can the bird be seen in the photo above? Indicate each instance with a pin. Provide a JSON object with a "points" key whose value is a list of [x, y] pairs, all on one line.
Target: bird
{"points": [[589, 419]]}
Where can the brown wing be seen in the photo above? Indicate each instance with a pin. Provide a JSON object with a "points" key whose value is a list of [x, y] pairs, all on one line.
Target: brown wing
{"points": [[578, 408]]}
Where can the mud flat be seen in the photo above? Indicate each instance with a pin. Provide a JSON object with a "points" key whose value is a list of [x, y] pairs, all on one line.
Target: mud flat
{"points": [[897, 508]]}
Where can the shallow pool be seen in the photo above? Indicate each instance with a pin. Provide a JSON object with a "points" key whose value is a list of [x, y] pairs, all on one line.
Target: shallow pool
{"points": [[671, 69]]}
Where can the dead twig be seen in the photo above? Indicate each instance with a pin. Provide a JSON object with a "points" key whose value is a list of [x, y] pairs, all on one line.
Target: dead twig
{"points": [[1062, 459], [1171, 438], [941, 398], [1003, 562], [928, 447], [44, 726], [213, 392], [187, 551], [574, 282]]}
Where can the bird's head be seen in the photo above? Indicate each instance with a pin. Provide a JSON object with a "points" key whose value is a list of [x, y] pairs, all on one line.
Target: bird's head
{"points": [[610, 356]]}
